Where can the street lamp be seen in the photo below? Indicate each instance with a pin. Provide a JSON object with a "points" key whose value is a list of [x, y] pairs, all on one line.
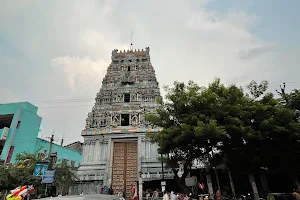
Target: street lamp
{"points": [[163, 183], [162, 166]]}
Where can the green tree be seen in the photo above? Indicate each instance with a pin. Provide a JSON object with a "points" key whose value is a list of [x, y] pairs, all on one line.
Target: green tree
{"points": [[257, 89], [295, 100], [4, 177], [20, 173], [275, 123], [194, 121], [241, 146], [12, 176], [244, 130], [64, 177], [290, 100], [29, 160]]}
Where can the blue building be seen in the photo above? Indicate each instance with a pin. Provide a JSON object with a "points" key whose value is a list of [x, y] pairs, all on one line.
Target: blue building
{"points": [[19, 128]]}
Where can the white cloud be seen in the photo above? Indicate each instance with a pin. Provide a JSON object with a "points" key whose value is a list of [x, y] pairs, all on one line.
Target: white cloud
{"points": [[98, 44], [72, 42], [251, 53], [80, 73]]}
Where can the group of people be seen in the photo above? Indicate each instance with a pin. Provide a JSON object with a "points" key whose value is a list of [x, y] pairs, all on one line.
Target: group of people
{"points": [[132, 194], [157, 194], [176, 196], [106, 190]]}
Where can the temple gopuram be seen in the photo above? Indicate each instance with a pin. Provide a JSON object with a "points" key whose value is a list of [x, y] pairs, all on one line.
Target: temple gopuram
{"points": [[116, 151]]}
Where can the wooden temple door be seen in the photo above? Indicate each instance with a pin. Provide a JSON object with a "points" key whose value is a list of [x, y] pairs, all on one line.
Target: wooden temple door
{"points": [[124, 170]]}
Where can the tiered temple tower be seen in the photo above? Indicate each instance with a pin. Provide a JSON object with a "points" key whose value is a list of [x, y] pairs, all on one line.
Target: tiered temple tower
{"points": [[116, 151]]}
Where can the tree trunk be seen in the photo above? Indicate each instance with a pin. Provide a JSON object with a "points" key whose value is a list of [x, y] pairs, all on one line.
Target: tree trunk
{"points": [[231, 184], [264, 183], [254, 187], [210, 186], [181, 183]]}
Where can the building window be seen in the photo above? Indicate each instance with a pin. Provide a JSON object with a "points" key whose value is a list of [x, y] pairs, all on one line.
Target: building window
{"points": [[126, 98], [124, 119], [128, 68], [1, 148], [18, 124]]}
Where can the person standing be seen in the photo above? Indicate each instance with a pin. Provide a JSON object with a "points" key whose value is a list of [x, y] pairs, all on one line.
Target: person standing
{"points": [[174, 196], [105, 190], [110, 191], [166, 196], [121, 195], [132, 192], [218, 195], [156, 194]]}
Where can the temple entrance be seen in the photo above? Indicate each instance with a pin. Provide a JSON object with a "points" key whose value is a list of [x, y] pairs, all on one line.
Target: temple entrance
{"points": [[124, 171]]}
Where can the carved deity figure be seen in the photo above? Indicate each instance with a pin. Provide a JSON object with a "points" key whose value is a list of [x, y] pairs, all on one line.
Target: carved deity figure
{"points": [[115, 121], [133, 97], [88, 124], [120, 98], [134, 120], [142, 118]]}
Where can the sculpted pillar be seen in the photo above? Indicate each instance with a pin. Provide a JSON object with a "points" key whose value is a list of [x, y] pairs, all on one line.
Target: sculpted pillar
{"points": [[93, 150], [97, 151], [105, 151], [101, 154], [88, 151], [83, 152]]}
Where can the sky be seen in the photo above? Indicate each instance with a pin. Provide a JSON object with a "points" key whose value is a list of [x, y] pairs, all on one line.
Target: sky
{"points": [[55, 53]]}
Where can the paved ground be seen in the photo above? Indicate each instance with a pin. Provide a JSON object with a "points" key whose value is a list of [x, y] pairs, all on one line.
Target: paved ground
{"points": [[85, 197]]}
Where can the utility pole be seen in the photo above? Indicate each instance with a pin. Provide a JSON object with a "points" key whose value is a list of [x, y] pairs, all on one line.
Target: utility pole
{"points": [[62, 140], [50, 158], [51, 142]]}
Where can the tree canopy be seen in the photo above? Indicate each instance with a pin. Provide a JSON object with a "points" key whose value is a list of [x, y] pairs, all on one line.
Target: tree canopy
{"points": [[21, 173], [225, 124], [64, 176]]}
